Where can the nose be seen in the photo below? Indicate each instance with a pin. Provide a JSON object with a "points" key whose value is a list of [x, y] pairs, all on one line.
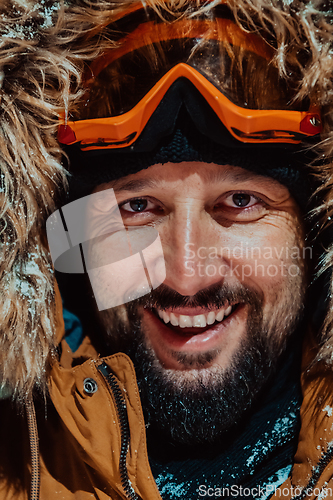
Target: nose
{"points": [[189, 240]]}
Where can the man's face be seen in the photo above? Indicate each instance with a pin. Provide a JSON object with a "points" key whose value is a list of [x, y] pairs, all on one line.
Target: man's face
{"points": [[211, 334]]}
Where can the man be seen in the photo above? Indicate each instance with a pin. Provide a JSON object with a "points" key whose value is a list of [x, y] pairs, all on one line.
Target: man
{"points": [[189, 142]]}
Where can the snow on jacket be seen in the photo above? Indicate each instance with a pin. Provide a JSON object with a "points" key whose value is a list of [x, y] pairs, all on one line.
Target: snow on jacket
{"points": [[43, 49]]}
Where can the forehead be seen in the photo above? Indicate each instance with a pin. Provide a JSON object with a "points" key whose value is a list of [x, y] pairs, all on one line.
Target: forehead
{"points": [[193, 174]]}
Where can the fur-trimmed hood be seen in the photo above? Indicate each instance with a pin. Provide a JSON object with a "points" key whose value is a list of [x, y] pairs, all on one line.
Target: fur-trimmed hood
{"points": [[44, 48]]}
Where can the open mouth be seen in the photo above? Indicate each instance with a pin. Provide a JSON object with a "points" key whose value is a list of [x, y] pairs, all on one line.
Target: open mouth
{"points": [[194, 324], [175, 332]]}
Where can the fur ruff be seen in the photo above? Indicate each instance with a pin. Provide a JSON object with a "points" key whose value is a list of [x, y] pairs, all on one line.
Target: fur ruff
{"points": [[44, 46]]}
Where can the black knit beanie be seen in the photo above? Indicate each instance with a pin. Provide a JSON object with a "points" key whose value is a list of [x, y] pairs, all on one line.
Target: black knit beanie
{"points": [[285, 164]]}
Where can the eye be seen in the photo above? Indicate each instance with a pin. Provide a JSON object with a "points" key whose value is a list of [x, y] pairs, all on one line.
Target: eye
{"points": [[241, 200], [238, 201], [240, 206], [137, 205]]}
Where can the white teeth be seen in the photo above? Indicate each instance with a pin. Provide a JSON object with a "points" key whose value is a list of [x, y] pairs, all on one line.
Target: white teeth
{"points": [[211, 318], [185, 321], [228, 311], [173, 319], [220, 315], [165, 317], [198, 321]]}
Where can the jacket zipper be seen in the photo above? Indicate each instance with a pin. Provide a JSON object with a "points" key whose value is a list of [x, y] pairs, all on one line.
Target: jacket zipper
{"points": [[34, 448], [124, 428]]}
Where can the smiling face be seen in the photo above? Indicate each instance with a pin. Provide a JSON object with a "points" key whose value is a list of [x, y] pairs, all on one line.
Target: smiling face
{"points": [[233, 293]]}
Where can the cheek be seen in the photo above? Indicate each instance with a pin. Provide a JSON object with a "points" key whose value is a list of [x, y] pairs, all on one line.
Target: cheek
{"points": [[119, 283], [266, 254], [124, 266]]}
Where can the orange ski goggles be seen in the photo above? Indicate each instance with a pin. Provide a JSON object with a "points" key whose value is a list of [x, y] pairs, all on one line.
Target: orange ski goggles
{"points": [[126, 84]]}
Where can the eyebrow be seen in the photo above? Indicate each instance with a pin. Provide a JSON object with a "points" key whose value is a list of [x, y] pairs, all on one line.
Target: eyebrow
{"points": [[134, 185], [240, 176]]}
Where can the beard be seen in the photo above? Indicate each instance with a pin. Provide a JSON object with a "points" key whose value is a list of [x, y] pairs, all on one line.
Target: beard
{"points": [[199, 404]]}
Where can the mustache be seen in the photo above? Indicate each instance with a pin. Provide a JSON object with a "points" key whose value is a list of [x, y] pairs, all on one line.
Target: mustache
{"points": [[215, 296]]}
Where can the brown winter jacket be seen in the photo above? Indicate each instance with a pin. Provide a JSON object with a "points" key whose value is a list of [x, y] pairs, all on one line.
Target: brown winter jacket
{"points": [[82, 438]]}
